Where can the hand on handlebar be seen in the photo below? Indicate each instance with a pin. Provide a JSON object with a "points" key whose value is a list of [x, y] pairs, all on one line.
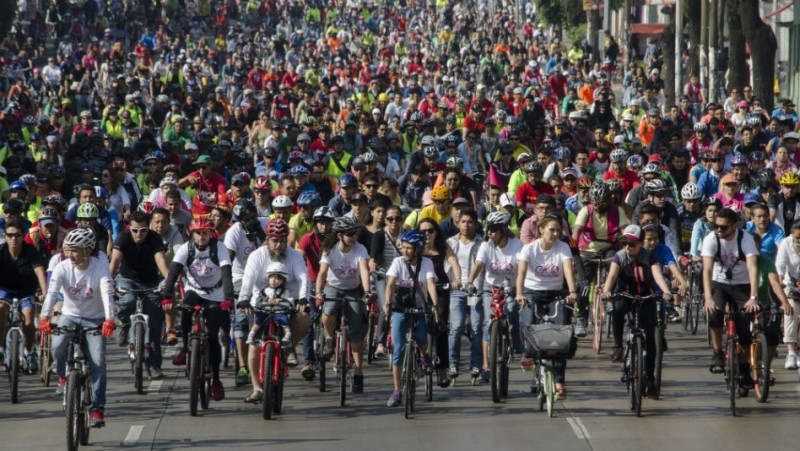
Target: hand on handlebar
{"points": [[521, 300], [470, 289], [44, 325], [319, 300], [666, 296], [752, 306], [226, 305], [108, 328], [245, 307], [166, 304], [455, 284], [571, 298]]}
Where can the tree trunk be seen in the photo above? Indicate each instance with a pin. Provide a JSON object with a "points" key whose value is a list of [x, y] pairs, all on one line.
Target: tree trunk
{"points": [[763, 46], [737, 63], [693, 19], [8, 12], [667, 42]]}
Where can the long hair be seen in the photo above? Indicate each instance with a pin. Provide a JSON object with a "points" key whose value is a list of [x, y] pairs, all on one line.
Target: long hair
{"points": [[439, 242]]}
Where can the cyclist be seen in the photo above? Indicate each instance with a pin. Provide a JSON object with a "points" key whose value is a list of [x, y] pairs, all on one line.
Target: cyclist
{"points": [[543, 266], [86, 287], [497, 255], [23, 270], [657, 192], [788, 268], [301, 223], [667, 260], [344, 272], [172, 238], [770, 234], [137, 261], [703, 226], [689, 211], [619, 170], [636, 271], [206, 277], [784, 207], [399, 293], [730, 273]]}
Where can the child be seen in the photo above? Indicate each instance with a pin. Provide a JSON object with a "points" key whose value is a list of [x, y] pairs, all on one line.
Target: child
{"points": [[273, 293]]}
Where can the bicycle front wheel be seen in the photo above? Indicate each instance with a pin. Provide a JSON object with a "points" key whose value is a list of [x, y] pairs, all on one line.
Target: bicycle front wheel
{"points": [[598, 313], [541, 379], [409, 379], [85, 403], [277, 404], [267, 393], [73, 410], [319, 343], [494, 357], [13, 360], [760, 366], [195, 378], [732, 368], [637, 365], [505, 358], [138, 362], [45, 360], [370, 344], [697, 307], [658, 366], [341, 356]]}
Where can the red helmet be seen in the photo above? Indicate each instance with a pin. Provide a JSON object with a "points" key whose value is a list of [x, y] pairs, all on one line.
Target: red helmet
{"points": [[277, 228], [262, 183], [201, 224], [147, 207]]}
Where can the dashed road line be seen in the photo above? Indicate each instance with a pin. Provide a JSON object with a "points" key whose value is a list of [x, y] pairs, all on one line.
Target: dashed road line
{"points": [[133, 434], [578, 428]]}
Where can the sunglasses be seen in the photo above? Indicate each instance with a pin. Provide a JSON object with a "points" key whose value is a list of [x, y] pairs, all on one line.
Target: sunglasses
{"points": [[631, 243], [351, 233], [262, 192], [371, 186], [394, 218], [428, 231], [721, 226], [139, 230], [15, 235]]}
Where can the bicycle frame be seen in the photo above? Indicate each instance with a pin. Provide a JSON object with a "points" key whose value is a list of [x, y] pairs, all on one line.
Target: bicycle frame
{"points": [[271, 338], [631, 374], [15, 323]]}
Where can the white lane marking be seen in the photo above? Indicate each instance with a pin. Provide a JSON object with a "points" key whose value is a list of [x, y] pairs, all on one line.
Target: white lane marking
{"points": [[155, 386], [583, 428], [133, 434], [578, 428]]}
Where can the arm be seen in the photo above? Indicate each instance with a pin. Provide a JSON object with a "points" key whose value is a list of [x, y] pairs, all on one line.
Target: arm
{"points": [[660, 281], [161, 262], [363, 269], [522, 270], [390, 281], [175, 270], [227, 282], [775, 284], [41, 276], [752, 272], [476, 270], [678, 274], [431, 291], [569, 274], [116, 260], [453, 261], [708, 268], [613, 273], [323, 274]]}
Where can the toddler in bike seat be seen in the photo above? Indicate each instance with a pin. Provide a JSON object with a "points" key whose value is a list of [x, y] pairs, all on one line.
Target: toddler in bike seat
{"points": [[273, 294]]}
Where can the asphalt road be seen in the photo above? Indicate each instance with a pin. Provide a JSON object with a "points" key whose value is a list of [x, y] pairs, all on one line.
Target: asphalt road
{"points": [[693, 413]]}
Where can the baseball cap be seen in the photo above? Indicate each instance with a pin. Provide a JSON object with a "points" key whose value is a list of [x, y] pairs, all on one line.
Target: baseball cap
{"points": [[729, 178], [358, 197], [791, 135], [507, 201], [632, 232], [546, 199], [47, 220], [168, 181], [750, 199], [241, 177], [203, 159], [655, 158], [303, 137], [461, 201], [86, 167], [628, 117]]}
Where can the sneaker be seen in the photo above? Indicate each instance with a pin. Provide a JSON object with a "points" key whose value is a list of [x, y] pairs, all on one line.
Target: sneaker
{"points": [[172, 338], [380, 351], [358, 383], [580, 327], [308, 372], [484, 376], [254, 397], [475, 372], [425, 362], [122, 337], [791, 362], [242, 376], [155, 373], [180, 359], [616, 355], [452, 372], [62, 383], [651, 391], [286, 341], [97, 419], [217, 391], [717, 365], [746, 379], [291, 359], [330, 347], [526, 364], [395, 399], [33, 364]]}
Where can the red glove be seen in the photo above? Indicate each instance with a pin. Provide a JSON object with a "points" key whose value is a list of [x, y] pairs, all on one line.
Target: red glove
{"points": [[44, 325], [166, 303], [227, 305], [685, 261], [108, 328]]}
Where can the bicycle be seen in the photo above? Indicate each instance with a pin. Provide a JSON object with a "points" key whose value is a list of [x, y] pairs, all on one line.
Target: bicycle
{"points": [[731, 355], [693, 301], [633, 367], [500, 346], [45, 358], [199, 361], [413, 369], [78, 388], [760, 361], [547, 342], [15, 356], [372, 325], [139, 336], [272, 369], [660, 342], [343, 355], [319, 349], [598, 303]]}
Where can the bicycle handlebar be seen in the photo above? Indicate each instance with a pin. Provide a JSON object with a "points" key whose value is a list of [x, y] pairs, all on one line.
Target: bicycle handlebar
{"points": [[281, 307], [637, 298], [58, 330], [206, 306], [121, 290]]}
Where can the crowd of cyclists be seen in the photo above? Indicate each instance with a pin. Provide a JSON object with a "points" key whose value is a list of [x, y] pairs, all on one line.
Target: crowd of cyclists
{"points": [[409, 152]]}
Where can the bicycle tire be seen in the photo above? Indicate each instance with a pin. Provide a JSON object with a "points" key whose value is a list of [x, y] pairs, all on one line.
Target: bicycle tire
{"points": [[13, 360], [659, 362], [72, 410], [760, 366], [45, 359], [194, 375], [732, 367], [277, 404], [540, 387], [138, 362], [341, 357], [319, 338], [370, 345], [598, 313], [686, 317], [267, 393], [494, 351], [638, 374], [550, 390], [505, 357], [86, 402], [408, 379], [697, 311], [205, 381]]}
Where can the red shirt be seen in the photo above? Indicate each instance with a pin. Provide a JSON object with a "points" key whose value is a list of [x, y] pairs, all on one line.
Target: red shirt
{"points": [[311, 245], [209, 191], [527, 194], [629, 180]]}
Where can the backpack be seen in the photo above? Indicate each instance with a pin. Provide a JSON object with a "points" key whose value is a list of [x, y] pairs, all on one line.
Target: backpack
{"points": [[739, 236], [212, 250]]}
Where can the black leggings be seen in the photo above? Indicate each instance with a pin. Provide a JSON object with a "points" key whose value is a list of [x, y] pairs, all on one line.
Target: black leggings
{"points": [[215, 319]]}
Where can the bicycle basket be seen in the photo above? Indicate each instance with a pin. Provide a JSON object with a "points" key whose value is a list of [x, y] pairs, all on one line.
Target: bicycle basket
{"points": [[550, 340]]}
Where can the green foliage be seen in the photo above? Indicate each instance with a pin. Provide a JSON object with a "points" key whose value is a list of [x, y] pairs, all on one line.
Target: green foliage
{"points": [[551, 11], [575, 34], [8, 12]]}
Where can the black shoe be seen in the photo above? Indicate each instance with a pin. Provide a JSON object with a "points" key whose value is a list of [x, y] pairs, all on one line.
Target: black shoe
{"points": [[616, 355], [122, 338], [651, 391], [746, 379], [358, 383], [330, 347], [717, 365]]}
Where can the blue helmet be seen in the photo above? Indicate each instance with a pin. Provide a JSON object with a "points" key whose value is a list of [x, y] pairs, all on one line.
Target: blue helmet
{"points": [[739, 160], [562, 153], [347, 181], [414, 238], [100, 192], [18, 186], [309, 198], [299, 170]]}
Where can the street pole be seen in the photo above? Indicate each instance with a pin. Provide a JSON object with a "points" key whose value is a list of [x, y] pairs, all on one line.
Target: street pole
{"points": [[713, 41], [678, 43], [607, 15], [703, 75]]}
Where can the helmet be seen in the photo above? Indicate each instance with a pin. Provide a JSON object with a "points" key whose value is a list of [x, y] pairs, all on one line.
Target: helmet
{"points": [[790, 178], [455, 162], [599, 192], [739, 160], [28, 179], [147, 207], [690, 191], [430, 152], [585, 182], [655, 186], [245, 207], [30, 120], [501, 115], [533, 166], [618, 155], [277, 228], [348, 181], [309, 198], [709, 201], [451, 139], [635, 161], [324, 213], [80, 237], [278, 268], [48, 212], [262, 182], [440, 192], [100, 192], [766, 174], [700, 127], [344, 224], [299, 170], [370, 157], [416, 116], [649, 168], [18, 186], [562, 153], [13, 206], [87, 211], [498, 218], [201, 224], [57, 200], [282, 202], [414, 238]]}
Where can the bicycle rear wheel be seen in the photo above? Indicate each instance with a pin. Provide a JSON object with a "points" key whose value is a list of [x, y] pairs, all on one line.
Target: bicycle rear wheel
{"points": [[195, 378], [494, 360], [370, 344], [760, 366], [267, 393], [637, 365], [138, 362], [541, 396], [659, 362], [341, 359], [73, 410], [597, 316], [732, 369], [550, 390], [13, 360]]}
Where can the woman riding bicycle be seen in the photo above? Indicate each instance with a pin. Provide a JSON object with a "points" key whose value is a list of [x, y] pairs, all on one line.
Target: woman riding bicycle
{"points": [[399, 283], [543, 266], [704, 225], [344, 272], [633, 270]]}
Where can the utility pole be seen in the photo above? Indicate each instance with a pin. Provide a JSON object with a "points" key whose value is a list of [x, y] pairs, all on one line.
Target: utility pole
{"points": [[678, 46], [712, 88]]}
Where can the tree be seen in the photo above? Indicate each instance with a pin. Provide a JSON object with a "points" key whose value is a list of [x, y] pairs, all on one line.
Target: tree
{"points": [[737, 62], [763, 46], [8, 13]]}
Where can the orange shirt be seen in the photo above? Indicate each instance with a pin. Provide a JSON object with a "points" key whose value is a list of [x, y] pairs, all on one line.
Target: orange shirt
{"points": [[586, 93]]}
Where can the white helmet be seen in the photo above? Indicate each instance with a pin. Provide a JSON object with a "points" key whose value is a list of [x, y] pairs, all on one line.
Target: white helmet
{"points": [[277, 268], [498, 218], [80, 237], [282, 202], [690, 191]]}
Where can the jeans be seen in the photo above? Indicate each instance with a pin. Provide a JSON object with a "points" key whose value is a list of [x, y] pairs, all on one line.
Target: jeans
{"points": [[96, 345], [458, 316], [355, 311], [150, 307], [544, 301], [400, 328], [215, 319]]}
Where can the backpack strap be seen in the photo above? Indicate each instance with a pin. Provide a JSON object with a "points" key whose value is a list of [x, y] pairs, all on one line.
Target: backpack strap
{"points": [[739, 237]]}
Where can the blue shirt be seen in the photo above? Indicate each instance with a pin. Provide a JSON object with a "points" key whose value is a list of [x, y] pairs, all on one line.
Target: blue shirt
{"points": [[665, 258], [709, 183], [770, 240]]}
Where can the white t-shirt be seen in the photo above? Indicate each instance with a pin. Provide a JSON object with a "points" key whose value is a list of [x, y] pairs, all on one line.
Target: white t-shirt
{"points": [[255, 275], [545, 268], [500, 264], [729, 257], [343, 270], [463, 253], [87, 293], [203, 276], [237, 241], [399, 270]]}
